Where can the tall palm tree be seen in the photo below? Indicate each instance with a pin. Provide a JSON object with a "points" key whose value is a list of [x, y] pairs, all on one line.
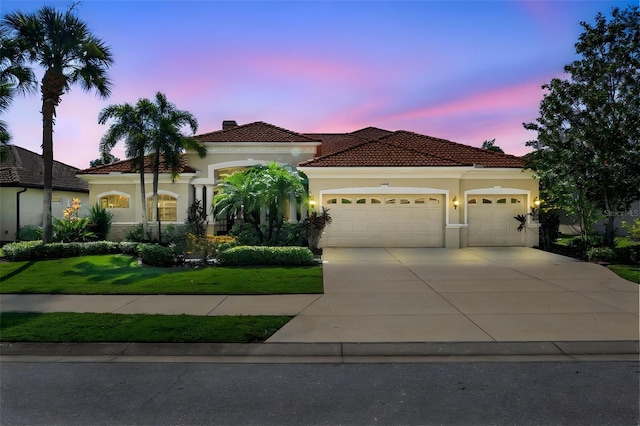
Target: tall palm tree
{"points": [[283, 186], [168, 142], [69, 53], [131, 123], [15, 77]]}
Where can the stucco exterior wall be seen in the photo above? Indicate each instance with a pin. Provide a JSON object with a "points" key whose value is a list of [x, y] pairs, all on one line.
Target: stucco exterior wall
{"points": [[31, 208]]}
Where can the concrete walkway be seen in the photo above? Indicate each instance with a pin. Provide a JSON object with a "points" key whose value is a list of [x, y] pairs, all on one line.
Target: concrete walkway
{"points": [[426, 299]]}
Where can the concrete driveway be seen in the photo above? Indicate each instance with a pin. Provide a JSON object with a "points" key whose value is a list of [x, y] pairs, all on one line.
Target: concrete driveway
{"points": [[466, 295]]}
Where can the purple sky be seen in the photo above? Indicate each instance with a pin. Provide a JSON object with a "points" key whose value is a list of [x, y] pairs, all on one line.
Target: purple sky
{"points": [[467, 71]]}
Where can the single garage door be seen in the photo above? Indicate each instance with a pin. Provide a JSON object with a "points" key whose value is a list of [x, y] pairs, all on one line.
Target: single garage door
{"points": [[385, 221], [491, 220]]}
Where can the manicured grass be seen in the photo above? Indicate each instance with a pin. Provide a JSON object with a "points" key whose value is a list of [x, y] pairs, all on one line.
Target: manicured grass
{"points": [[120, 274], [75, 327], [628, 272]]}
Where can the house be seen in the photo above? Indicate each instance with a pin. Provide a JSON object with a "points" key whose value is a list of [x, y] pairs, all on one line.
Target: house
{"points": [[21, 190], [383, 188]]}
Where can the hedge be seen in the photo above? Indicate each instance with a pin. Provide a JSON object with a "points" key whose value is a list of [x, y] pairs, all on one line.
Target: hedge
{"points": [[262, 255]]}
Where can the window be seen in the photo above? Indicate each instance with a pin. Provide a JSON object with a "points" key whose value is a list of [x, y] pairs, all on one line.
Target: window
{"points": [[346, 201], [405, 201], [472, 201], [390, 201], [486, 201], [167, 206], [332, 201], [434, 201], [515, 201], [419, 201], [375, 201], [114, 202], [361, 201], [501, 201]]}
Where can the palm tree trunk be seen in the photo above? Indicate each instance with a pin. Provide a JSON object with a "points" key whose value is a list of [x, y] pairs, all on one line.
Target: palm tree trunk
{"points": [[155, 208], [48, 110], [143, 197]]}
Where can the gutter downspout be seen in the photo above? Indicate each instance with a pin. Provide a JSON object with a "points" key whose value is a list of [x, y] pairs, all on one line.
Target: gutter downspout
{"points": [[18, 209]]}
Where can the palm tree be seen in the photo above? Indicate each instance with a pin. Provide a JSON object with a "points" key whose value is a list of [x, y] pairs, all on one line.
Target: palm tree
{"points": [[69, 53], [131, 123], [283, 186], [167, 141], [490, 145], [241, 194], [15, 77]]}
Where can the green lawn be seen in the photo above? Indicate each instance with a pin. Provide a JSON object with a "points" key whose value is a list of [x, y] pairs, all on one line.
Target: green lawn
{"points": [[75, 327], [121, 274], [628, 272]]}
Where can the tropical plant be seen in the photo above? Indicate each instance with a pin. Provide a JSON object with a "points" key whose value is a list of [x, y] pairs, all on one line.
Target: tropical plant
{"points": [[197, 219], [588, 144], [105, 158], [632, 228], [69, 53], [130, 122], [282, 187], [100, 220], [72, 228], [315, 224]]}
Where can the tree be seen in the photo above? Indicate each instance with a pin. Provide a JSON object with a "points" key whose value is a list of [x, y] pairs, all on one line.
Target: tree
{"points": [[588, 142], [131, 123], [248, 192], [15, 77], [68, 53], [490, 145], [168, 142], [105, 158]]}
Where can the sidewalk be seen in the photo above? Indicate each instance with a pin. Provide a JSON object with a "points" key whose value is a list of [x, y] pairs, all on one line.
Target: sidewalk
{"points": [[404, 302]]}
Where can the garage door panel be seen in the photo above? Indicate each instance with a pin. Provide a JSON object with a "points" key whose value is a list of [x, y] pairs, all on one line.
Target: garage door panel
{"points": [[392, 225], [492, 223]]}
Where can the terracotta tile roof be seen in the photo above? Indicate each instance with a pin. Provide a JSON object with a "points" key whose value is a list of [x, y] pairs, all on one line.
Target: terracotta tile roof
{"points": [[131, 166], [254, 132], [409, 149], [25, 168], [371, 133], [334, 142]]}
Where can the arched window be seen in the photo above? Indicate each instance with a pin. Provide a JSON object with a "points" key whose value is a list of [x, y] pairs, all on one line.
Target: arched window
{"points": [[167, 206], [114, 201], [332, 201]]}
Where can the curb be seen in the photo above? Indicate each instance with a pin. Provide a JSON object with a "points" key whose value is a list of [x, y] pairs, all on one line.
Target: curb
{"points": [[319, 350]]}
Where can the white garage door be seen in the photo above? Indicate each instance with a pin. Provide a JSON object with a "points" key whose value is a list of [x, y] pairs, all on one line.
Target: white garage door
{"points": [[385, 221], [491, 220]]}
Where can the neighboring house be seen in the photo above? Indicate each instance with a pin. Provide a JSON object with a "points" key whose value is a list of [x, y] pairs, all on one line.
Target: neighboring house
{"points": [[383, 188], [21, 190]]}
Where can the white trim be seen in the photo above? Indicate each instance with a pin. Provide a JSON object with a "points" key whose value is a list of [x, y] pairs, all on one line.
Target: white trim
{"points": [[112, 192], [162, 192]]}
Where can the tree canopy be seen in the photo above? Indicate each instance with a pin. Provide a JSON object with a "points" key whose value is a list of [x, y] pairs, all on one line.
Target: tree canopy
{"points": [[588, 145], [490, 145], [62, 45]]}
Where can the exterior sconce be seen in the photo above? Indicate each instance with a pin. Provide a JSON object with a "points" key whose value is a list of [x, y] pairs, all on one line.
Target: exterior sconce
{"points": [[456, 203], [536, 202], [312, 202]]}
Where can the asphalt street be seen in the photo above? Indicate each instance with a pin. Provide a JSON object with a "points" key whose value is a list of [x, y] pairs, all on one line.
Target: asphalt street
{"points": [[584, 393]]}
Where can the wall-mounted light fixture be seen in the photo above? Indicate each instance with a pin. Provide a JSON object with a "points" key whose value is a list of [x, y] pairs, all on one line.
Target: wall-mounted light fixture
{"points": [[456, 203], [312, 202], [536, 202]]}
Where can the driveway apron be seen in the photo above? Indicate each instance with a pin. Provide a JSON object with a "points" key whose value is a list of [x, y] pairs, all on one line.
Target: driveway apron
{"points": [[506, 294]]}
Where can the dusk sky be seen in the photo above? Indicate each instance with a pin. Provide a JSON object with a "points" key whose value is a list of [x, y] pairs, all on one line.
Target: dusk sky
{"points": [[466, 71]]}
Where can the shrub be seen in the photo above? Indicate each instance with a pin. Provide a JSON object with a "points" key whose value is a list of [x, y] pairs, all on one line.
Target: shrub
{"points": [[72, 231], [292, 234], [260, 255], [29, 233], [629, 255], [315, 224], [633, 229], [209, 246], [246, 234], [129, 247], [601, 254], [136, 234], [156, 255], [99, 247], [21, 250], [100, 220]]}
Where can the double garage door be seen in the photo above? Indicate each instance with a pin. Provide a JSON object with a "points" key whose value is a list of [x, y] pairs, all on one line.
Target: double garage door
{"points": [[398, 220], [491, 220]]}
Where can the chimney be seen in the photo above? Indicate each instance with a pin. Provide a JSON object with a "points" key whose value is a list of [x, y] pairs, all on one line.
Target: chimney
{"points": [[229, 124]]}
